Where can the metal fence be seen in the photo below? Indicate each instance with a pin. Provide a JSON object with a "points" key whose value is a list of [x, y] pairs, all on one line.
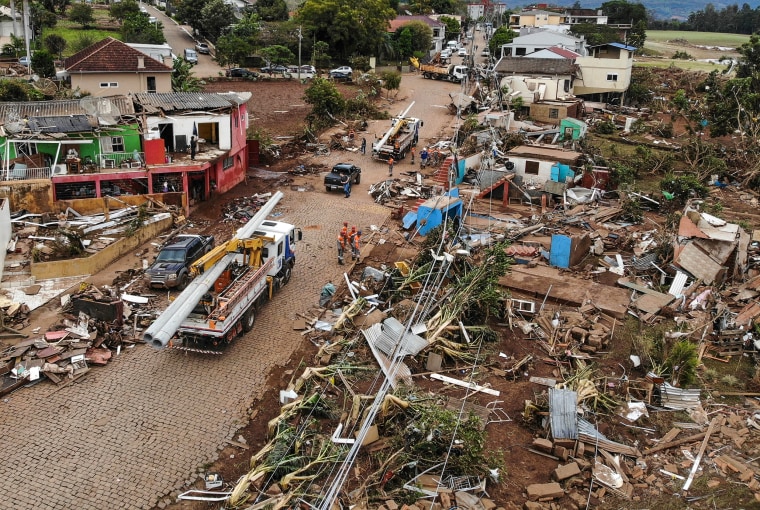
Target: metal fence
{"points": [[21, 172], [122, 160]]}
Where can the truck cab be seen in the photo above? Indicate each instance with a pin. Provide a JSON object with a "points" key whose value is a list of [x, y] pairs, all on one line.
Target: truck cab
{"points": [[172, 265]]}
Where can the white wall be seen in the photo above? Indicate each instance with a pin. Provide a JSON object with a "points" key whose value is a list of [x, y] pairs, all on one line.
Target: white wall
{"points": [[544, 170], [5, 230], [184, 126]]}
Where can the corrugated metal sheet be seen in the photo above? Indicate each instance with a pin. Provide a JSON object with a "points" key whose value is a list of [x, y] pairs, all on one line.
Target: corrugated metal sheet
{"points": [[392, 334], [394, 373], [678, 398], [563, 414], [644, 263], [178, 101], [678, 283], [58, 108], [590, 435]]}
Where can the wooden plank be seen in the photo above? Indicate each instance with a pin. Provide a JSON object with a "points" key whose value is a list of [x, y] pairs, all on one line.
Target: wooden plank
{"points": [[457, 382], [713, 424], [665, 446]]}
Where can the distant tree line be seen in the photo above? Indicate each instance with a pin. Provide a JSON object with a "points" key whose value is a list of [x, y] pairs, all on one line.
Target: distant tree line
{"points": [[731, 19]]}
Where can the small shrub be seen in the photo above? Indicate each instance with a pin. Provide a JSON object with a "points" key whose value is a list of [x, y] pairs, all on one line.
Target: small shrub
{"points": [[681, 363], [730, 380], [710, 375], [682, 55], [606, 127]]}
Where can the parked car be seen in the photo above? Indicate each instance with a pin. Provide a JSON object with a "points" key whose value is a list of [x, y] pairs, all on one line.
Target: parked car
{"points": [[24, 61], [342, 70], [275, 69], [172, 266], [202, 48], [332, 179], [305, 71], [152, 19], [462, 52], [485, 53], [240, 72], [191, 56], [446, 53]]}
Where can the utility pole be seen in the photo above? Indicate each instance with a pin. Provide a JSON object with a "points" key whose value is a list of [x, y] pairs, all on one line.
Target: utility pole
{"points": [[27, 34], [300, 36]]}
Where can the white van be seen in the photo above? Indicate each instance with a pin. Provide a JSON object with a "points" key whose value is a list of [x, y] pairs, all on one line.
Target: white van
{"points": [[452, 45]]}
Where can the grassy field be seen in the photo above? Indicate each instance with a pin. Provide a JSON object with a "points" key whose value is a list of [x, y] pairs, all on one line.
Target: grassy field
{"points": [[697, 38], [73, 31]]}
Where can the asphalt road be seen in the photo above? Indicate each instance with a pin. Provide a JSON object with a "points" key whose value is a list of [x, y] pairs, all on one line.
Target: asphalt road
{"points": [[180, 37]]}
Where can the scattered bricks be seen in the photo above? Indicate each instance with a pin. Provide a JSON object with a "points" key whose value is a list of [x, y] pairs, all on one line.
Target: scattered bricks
{"points": [[542, 445], [561, 452], [711, 484], [565, 443], [544, 491], [671, 467], [578, 499], [754, 485], [637, 473], [686, 464], [650, 479], [487, 504], [640, 485], [566, 471], [734, 420], [583, 464], [531, 505], [392, 505], [445, 500], [580, 449]]}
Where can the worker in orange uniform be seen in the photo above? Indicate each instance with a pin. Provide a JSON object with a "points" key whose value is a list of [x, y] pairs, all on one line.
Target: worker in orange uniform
{"points": [[390, 166], [356, 245], [413, 151], [341, 247]]}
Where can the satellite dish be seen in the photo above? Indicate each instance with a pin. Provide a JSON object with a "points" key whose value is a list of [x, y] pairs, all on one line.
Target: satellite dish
{"points": [[103, 108], [13, 123]]}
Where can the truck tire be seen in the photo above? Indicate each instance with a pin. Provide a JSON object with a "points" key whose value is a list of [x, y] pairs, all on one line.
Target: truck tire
{"points": [[184, 279], [358, 178], [249, 318], [287, 272], [328, 189]]}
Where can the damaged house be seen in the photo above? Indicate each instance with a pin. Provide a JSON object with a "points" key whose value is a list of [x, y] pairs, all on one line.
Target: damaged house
{"points": [[117, 146]]}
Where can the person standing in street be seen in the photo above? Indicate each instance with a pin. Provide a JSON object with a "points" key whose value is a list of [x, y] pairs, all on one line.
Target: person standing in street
{"points": [[341, 247], [423, 157], [356, 245], [413, 151], [390, 166], [346, 182], [364, 146]]}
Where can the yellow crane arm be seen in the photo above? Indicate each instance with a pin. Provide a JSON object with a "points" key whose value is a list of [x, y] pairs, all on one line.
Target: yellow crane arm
{"points": [[252, 247]]}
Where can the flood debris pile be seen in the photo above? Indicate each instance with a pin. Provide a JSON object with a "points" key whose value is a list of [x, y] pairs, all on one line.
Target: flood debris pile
{"points": [[89, 332]]}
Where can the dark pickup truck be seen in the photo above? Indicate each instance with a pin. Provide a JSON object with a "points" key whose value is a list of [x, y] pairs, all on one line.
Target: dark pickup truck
{"points": [[332, 180], [172, 265]]}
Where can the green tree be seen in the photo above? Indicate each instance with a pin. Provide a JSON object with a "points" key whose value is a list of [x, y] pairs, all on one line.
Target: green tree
{"points": [[319, 57], [42, 18], [595, 34], [503, 35], [452, 26], [277, 55], [422, 36], [55, 44], [55, 5], [231, 49], [82, 14], [638, 34], [182, 77], [16, 47], [188, 12], [136, 28], [42, 64], [404, 43], [271, 10], [216, 16], [391, 81], [121, 10], [325, 101], [620, 11], [346, 25], [14, 90]]}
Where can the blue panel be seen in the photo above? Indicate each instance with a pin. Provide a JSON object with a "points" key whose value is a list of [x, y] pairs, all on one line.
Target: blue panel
{"points": [[410, 219], [453, 192], [555, 172], [559, 256]]}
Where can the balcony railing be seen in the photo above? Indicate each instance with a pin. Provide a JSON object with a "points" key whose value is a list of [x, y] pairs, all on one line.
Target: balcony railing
{"points": [[21, 172], [121, 160]]}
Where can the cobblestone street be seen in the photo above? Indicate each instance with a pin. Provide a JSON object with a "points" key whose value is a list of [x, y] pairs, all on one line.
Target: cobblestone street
{"points": [[134, 432]]}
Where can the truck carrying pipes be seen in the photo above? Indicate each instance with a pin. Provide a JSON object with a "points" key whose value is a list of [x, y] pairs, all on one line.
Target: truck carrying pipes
{"points": [[230, 283], [400, 137], [451, 72]]}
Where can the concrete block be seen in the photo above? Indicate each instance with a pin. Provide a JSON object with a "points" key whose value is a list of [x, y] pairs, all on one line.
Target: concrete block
{"points": [[532, 505], [487, 504], [538, 491], [561, 452], [566, 471], [542, 445], [392, 505]]}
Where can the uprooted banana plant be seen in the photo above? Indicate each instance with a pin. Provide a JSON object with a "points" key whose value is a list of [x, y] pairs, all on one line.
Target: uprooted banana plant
{"points": [[582, 382], [328, 453], [314, 405], [474, 293], [349, 313]]}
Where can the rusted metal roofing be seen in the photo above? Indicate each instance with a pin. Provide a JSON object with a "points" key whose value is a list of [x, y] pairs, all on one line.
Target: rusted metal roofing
{"points": [[19, 110], [179, 101], [528, 65], [563, 414]]}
